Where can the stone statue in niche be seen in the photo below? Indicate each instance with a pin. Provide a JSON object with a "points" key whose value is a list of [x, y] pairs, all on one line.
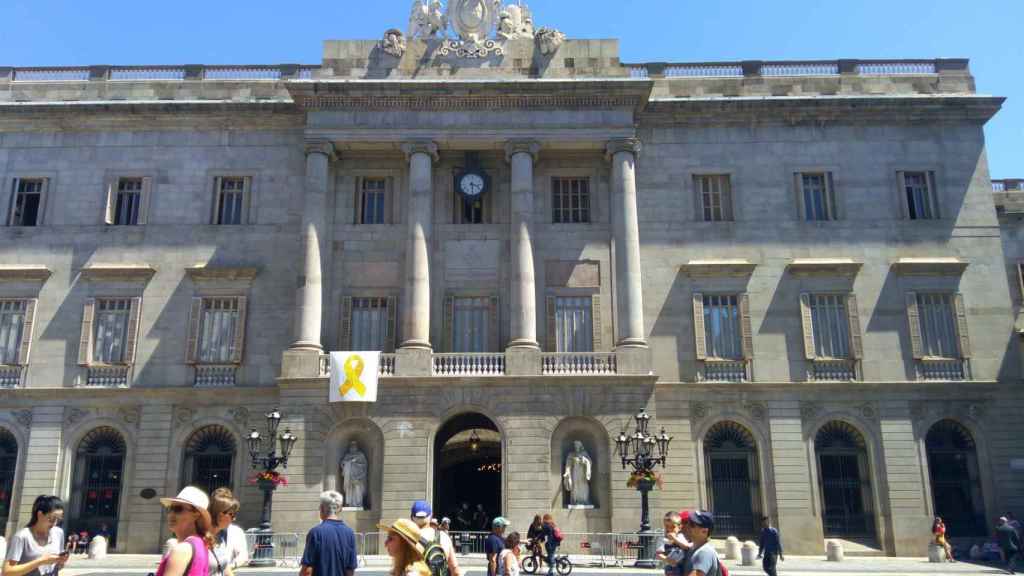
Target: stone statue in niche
{"points": [[393, 43], [576, 476], [354, 472]]}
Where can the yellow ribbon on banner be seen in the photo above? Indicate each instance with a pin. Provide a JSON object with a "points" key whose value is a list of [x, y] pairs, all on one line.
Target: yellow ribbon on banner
{"points": [[353, 370]]}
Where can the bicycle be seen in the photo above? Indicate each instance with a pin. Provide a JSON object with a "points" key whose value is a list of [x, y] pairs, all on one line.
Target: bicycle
{"points": [[533, 563]]}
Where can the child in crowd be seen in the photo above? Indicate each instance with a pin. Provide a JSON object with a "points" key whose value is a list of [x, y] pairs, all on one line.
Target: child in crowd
{"points": [[674, 545]]}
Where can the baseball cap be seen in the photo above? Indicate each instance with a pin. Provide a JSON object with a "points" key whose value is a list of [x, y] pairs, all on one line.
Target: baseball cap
{"points": [[702, 519], [420, 509], [500, 521]]}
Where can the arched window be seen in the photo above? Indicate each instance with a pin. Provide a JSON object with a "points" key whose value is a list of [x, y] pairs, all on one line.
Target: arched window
{"points": [[844, 479], [98, 480], [734, 491], [8, 465], [209, 456], [956, 486]]}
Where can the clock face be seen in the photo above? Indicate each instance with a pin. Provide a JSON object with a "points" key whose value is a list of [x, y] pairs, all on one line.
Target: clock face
{"points": [[471, 184]]}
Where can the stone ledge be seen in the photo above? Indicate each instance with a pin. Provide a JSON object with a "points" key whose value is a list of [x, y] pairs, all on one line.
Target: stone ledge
{"points": [[16, 272], [140, 272], [938, 266], [824, 267], [203, 273], [736, 268]]}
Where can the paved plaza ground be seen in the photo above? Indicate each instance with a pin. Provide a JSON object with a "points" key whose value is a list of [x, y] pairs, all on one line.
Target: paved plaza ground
{"points": [[142, 564]]}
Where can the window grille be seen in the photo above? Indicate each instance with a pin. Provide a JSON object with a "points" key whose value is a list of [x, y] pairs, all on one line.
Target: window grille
{"points": [[920, 196], [128, 201], [570, 200], [937, 318], [230, 200], [715, 194], [831, 325], [26, 209]]}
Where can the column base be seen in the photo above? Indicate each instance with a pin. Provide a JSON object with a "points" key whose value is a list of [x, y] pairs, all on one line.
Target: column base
{"points": [[306, 345], [522, 360], [631, 343], [523, 343], [300, 363], [633, 360], [414, 361], [417, 344]]}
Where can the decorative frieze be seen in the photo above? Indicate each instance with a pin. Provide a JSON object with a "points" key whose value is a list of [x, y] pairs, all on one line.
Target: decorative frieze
{"points": [[551, 101]]}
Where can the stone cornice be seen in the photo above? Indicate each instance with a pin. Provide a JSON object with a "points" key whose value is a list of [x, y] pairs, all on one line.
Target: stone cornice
{"points": [[128, 272], [617, 145], [24, 272], [527, 146], [938, 266], [824, 267], [736, 268], [203, 273], [428, 147]]}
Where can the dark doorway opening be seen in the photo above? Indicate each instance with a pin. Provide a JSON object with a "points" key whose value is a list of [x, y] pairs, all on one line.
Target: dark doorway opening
{"points": [[845, 481], [956, 485], [731, 464], [467, 472], [96, 489], [8, 464]]}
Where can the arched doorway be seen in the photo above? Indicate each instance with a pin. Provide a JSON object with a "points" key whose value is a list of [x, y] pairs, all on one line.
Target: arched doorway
{"points": [[8, 466], [734, 491], [844, 480], [467, 471], [97, 481], [209, 457], [956, 486]]}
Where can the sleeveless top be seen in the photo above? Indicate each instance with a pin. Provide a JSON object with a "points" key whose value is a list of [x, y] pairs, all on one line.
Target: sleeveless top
{"points": [[195, 568]]}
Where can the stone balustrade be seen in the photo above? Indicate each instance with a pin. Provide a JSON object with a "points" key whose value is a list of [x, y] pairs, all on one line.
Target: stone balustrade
{"points": [[832, 370], [943, 369], [10, 376], [577, 363], [758, 68], [157, 73], [724, 371], [215, 375], [387, 365], [107, 376], [469, 364], [495, 364]]}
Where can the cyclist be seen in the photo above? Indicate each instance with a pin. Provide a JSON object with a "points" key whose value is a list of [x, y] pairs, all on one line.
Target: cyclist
{"points": [[534, 538]]}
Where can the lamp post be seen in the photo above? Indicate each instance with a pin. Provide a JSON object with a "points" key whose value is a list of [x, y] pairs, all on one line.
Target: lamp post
{"points": [[269, 462], [643, 451]]}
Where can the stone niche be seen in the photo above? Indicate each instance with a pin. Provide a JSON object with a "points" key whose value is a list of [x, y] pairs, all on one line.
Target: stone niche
{"points": [[371, 441], [596, 441]]}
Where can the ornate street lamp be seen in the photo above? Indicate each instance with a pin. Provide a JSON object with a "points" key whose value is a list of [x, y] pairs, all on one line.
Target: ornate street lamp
{"points": [[474, 441], [267, 480], [643, 452]]}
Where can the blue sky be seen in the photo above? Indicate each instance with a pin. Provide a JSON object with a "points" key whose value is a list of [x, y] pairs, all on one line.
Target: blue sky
{"points": [[989, 32]]}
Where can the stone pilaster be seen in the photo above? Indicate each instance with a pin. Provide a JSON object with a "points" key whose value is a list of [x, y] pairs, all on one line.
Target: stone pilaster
{"points": [[416, 289], [626, 232], [309, 299], [522, 154], [42, 458], [794, 507]]}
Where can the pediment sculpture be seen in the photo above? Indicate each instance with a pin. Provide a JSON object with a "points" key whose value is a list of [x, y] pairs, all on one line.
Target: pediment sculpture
{"points": [[472, 28]]}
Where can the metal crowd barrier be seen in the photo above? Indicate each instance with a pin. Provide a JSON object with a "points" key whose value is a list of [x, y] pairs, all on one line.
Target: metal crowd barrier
{"points": [[284, 548]]}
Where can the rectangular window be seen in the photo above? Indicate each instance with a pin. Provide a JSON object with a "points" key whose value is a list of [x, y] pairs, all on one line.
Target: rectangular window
{"points": [[127, 201], [471, 329], [218, 325], [574, 324], [570, 200], [230, 202], [714, 192], [27, 202], [919, 195], [110, 324], [937, 319], [831, 325], [723, 332], [372, 202], [370, 324], [12, 327], [818, 196]]}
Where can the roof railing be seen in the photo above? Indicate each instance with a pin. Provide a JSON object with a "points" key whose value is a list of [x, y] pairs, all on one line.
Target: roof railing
{"points": [[798, 68], [272, 72]]}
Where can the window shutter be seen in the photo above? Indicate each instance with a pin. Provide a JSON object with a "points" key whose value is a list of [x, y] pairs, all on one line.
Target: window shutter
{"points": [[833, 203], [961, 326], [595, 321], [215, 208], [492, 322], [26, 332], [239, 344], [247, 201], [10, 203], [108, 214], [748, 334], [551, 329], [798, 187], [853, 314], [357, 201], [727, 205], [389, 337], [147, 194], [389, 200], [933, 194], [44, 200], [901, 195], [1020, 280], [698, 326], [346, 323], [132, 338], [192, 343], [449, 322], [85, 341], [808, 325], [916, 345]]}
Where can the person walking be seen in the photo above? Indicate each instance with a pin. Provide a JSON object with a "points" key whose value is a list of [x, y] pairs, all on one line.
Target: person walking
{"points": [[494, 544], [939, 533], [189, 521], [1009, 543], [552, 538], [38, 548], [508, 560], [421, 514], [331, 545], [230, 549], [404, 545], [769, 547], [702, 560]]}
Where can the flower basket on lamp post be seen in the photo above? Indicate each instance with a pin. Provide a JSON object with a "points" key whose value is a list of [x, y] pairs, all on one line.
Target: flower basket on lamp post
{"points": [[643, 452], [268, 479]]}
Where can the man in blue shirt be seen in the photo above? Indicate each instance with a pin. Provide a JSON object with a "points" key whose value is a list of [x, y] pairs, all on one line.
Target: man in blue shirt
{"points": [[770, 547], [330, 546], [494, 544]]}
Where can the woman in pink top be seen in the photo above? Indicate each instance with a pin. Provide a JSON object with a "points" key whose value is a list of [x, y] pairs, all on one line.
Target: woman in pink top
{"points": [[189, 520]]}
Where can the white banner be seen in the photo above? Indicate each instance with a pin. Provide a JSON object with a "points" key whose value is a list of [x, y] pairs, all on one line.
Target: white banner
{"points": [[354, 376]]}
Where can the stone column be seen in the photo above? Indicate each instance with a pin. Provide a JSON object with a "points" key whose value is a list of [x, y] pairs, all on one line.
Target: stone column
{"points": [[416, 289], [521, 154], [309, 300], [626, 232]]}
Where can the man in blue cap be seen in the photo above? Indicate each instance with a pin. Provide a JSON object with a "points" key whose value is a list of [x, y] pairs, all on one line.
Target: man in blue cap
{"points": [[421, 513], [702, 560]]}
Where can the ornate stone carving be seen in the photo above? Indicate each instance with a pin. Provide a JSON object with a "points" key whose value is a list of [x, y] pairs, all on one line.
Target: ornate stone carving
{"points": [[698, 410], [515, 21], [428, 147], [239, 415], [393, 43], [809, 410], [354, 468], [75, 415], [473, 20], [758, 411], [549, 40], [482, 49], [321, 147], [131, 415], [976, 411], [513, 147], [427, 20], [183, 415], [617, 145], [577, 473], [23, 417], [868, 411]]}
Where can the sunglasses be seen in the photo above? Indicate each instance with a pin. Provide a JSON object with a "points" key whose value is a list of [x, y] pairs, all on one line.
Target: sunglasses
{"points": [[179, 508], [232, 514]]}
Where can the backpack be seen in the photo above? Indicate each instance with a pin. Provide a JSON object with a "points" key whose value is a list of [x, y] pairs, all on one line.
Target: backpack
{"points": [[556, 533], [434, 555]]}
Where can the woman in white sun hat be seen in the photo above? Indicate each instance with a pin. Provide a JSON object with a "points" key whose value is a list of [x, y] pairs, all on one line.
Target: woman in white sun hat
{"points": [[189, 520]]}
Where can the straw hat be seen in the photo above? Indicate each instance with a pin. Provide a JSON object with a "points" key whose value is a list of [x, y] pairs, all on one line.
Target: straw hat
{"points": [[406, 530], [193, 497]]}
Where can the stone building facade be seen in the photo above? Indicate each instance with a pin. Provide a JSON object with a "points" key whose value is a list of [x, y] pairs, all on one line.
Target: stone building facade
{"points": [[795, 268]]}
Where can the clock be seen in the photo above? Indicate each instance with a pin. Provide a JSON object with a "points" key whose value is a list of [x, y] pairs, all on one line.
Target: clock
{"points": [[472, 184]]}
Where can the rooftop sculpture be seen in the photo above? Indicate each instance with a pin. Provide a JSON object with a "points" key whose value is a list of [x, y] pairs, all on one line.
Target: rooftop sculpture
{"points": [[474, 28]]}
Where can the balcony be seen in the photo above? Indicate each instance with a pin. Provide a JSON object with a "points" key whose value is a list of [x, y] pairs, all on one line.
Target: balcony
{"points": [[577, 363], [718, 370], [468, 364], [107, 376], [943, 369], [11, 375], [215, 375], [832, 370]]}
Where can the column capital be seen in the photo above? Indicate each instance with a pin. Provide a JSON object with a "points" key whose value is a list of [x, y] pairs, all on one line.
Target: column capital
{"points": [[622, 145], [428, 147], [513, 147], [324, 147]]}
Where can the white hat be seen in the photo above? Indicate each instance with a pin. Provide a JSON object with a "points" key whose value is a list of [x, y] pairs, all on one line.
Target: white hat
{"points": [[193, 497]]}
